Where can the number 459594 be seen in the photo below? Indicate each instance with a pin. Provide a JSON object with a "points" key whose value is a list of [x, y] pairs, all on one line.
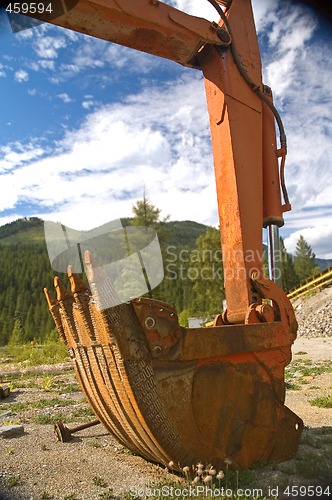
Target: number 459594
{"points": [[29, 8], [307, 491]]}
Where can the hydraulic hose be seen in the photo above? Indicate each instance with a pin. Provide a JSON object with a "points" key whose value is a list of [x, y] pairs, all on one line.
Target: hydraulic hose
{"points": [[257, 89]]}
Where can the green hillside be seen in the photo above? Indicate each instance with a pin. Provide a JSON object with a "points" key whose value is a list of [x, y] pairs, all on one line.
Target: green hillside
{"points": [[22, 231], [26, 270], [324, 264], [193, 275], [31, 230]]}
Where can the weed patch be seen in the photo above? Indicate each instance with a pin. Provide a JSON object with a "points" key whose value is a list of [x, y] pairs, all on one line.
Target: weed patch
{"points": [[99, 481], [13, 481], [44, 419], [322, 401], [36, 354]]}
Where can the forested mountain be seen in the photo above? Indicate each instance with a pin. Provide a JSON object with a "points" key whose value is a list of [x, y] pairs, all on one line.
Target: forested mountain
{"points": [[27, 230], [26, 270], [324, 264], [193, 275]]}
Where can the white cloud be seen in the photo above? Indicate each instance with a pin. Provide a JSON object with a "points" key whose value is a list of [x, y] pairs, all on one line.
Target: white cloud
{"points": [[64, 97], [264, 11], [21, 76], [289, 31], [15, 155], [194, 8], [9, 194], [47, 64], [88, 104], [319, 237], [47, 47]]}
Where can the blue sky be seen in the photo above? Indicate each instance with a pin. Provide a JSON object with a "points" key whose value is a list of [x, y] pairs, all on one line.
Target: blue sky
{"points": [[86, 125]]}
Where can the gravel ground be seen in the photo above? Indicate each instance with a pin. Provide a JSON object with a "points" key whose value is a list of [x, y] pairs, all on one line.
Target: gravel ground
{"points": [[94, 466], [314, 314]]}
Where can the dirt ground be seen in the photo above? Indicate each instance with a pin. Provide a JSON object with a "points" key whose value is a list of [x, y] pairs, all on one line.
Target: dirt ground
{"points": [[93, 465]]}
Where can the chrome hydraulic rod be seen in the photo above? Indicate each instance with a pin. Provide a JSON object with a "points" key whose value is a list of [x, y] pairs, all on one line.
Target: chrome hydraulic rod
{"points": [[274, 257]]}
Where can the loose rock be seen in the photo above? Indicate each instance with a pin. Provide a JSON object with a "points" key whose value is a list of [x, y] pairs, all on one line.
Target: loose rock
{"points": [[10, 431]]}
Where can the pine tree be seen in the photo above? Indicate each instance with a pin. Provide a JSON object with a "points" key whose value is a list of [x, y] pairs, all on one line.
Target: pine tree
{"points": [[289, 277], [145, 213], [207, 274], [16, 336], [304, 261]]}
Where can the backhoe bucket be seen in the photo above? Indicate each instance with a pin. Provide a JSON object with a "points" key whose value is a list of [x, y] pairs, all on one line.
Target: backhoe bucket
{"points": [[178, 395]]}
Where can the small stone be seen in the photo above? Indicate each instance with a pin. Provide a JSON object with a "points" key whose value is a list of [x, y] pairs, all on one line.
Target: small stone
{"points": [[5, 414], [4, 391], [9, 431]]}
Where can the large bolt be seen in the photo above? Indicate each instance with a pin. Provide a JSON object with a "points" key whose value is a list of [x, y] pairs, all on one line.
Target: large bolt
{"points": [[157, 350], [64, 434], [265, 312], [223, 35]]}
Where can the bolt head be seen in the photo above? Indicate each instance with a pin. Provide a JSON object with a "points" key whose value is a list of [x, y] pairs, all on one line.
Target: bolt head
{"points": [[223, 35], [150, 322], [156, 350]]}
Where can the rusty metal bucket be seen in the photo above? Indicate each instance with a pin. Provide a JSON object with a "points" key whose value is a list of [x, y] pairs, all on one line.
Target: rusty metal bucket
{"points": [[178, 395]]}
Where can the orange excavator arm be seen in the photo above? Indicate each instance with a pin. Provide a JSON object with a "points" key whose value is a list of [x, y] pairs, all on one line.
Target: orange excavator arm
{"points": [[239, 105], [179, 395], [146, 25]]}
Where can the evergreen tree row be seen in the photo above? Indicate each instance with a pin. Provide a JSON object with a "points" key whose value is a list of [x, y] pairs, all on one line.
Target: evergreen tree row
{"points": [[25, 270]]}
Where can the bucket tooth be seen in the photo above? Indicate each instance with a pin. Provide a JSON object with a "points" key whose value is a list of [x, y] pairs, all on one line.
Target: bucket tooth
{"points": [[82, 313], [102, 288], [54, 308], [62, 293], [65, 300], [77, 285]]}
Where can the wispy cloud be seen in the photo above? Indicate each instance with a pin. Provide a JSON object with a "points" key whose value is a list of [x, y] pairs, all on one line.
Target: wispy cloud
{"points": [[88, 104], [64, 97], [43, 64], [47, 47], [21, 76], [16, 154]]}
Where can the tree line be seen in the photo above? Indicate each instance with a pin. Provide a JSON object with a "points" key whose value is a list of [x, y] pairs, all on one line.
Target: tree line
{"points": [[193, 274]]}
